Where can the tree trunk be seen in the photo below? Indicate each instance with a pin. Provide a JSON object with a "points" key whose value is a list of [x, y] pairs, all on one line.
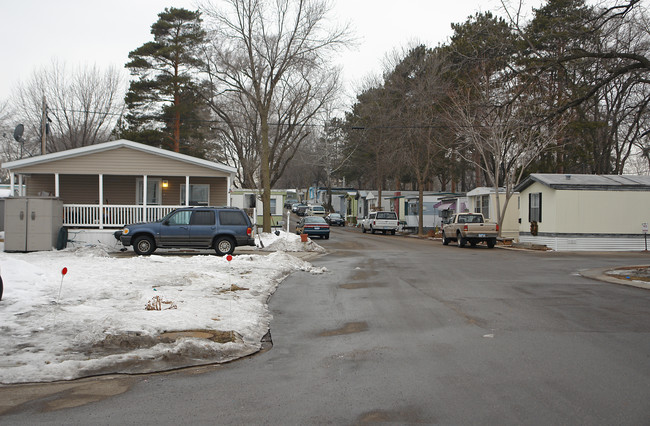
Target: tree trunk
{"points": [[177, 114], [266, 174], [420, 207]]}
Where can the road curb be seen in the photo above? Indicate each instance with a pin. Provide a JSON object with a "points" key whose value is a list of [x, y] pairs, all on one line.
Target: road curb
{"points": [[600, 274]]}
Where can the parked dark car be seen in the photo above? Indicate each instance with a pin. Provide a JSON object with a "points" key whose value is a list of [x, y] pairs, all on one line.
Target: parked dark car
{"points": [[220, 228], [335, 219], [313, 226], [295, 206], [289, 202], [301, 210]]}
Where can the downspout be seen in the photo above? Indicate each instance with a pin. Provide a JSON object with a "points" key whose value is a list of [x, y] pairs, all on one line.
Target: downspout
{"points": [[228, 183]]}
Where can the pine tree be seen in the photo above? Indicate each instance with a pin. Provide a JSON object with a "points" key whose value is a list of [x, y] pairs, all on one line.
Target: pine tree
{"points": [[163, 109]]}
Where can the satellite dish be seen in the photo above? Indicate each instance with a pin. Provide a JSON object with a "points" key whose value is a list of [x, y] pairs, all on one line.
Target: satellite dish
{"points": [[18, 133]]}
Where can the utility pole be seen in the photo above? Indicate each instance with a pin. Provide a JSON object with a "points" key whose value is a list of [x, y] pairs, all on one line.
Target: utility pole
{"points": [[44, 127]]}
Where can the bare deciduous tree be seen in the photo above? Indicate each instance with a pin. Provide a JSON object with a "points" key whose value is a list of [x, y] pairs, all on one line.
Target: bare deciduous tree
{"points": [[82, 105], [275, 55], [503, 134]]}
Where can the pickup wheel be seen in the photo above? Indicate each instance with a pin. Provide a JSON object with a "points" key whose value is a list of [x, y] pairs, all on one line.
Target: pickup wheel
{"points": [[144, 245], [460, 240], [224, 246], [363, 229], [445, 240], [491, 242]]}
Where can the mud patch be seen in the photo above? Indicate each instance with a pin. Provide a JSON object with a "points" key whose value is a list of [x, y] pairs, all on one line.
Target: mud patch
{"points": [[406, 415], [118, 343], [61, 395], [214, 335], [634, 273], [355, 286], [233, 287], [348, 328]]}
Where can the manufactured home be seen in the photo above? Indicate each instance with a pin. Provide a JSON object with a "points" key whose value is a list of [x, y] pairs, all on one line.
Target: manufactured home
{"points": [[568, 212]]}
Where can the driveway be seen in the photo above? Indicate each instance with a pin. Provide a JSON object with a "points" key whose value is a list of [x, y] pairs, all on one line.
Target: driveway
{"points": [[405, 330]]}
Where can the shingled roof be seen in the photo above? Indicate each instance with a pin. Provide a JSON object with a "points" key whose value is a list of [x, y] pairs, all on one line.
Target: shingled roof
{"points": [[587, 182]]}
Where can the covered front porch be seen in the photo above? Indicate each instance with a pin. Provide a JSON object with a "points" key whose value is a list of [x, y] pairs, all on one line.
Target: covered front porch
{"points": [[99, 189], [119, 200]]}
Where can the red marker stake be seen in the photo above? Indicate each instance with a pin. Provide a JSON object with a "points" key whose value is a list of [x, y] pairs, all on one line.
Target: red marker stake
{"points": [[229, 258], [63, 272]]}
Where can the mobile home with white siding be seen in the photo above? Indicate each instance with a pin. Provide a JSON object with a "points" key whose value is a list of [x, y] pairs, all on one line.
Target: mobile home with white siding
{"points": [[568, 212]]}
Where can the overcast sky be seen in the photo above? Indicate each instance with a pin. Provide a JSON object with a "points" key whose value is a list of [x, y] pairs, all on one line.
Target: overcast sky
{"points": [[79, 32]]}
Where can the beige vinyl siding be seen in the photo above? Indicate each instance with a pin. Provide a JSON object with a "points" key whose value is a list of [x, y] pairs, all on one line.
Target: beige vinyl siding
{"points": [[587, 211], [121, 161], [549, 208], [602, 212], [37, 184], [218, 191], [119, 190], [79, 189]]}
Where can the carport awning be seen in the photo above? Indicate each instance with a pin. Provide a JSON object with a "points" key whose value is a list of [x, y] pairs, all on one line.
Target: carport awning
{"points": [[443, 206]]}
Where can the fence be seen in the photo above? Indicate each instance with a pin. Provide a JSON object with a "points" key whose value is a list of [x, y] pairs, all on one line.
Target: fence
{"points": [[111, 216]]}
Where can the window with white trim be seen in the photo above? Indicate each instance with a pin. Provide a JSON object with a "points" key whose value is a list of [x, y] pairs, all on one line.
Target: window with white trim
{"points": [[485, 206], [153, 191], [199, 194], [535, 207]]}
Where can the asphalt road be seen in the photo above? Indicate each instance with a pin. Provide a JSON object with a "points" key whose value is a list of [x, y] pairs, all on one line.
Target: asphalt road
{"points": [[405, 330]]}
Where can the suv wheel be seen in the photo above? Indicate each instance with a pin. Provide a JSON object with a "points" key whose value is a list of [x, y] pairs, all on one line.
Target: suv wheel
{"points": [[224, 246], [144, 245]]}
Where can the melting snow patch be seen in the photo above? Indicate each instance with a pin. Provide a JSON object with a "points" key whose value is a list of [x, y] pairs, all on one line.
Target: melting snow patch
{"points": [[101, 325]]}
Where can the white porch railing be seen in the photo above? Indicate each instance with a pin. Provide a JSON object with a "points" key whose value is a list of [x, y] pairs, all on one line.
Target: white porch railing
{"points": [[112, 216]]}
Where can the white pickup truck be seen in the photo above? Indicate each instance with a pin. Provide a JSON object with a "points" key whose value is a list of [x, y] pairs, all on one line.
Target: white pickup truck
{"points": [[380, 221]]}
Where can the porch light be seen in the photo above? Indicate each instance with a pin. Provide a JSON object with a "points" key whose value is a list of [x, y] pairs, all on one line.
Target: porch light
{"points": [[165, 184]]}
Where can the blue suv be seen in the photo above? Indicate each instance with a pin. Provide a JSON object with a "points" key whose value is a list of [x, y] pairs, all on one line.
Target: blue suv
{"points": [[220, 228]]}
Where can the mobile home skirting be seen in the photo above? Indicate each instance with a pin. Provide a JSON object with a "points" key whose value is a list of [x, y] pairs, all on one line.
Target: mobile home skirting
{"points": [[587, 242]]}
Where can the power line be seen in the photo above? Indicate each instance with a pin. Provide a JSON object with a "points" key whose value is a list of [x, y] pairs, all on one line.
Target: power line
{"points": [[312, 125]]}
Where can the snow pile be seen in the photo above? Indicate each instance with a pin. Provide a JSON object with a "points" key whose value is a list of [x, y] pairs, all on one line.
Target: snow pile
{"points": [[94, 319], [287, 242]]}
